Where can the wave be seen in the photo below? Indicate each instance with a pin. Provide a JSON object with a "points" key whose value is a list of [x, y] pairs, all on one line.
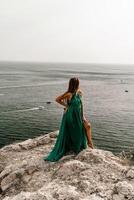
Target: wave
{"points": [[25, 110], [34, 85], [2, 94]]}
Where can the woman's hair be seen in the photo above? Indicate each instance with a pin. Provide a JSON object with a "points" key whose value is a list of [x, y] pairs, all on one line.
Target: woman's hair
{"points": [[73, 85]]}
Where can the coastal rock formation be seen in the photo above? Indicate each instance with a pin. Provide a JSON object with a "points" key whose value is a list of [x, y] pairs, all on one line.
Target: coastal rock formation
{"points": [[91, 175]]}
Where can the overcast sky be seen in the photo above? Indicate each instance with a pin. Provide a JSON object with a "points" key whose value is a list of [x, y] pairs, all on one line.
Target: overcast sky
{"points": [[94, 31]]}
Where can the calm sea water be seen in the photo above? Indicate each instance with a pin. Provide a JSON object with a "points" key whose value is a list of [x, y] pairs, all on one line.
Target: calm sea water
{"points": [[25, 89]]}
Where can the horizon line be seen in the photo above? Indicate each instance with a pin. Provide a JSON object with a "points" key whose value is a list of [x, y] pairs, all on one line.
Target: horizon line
{"points": [[61, 62]]}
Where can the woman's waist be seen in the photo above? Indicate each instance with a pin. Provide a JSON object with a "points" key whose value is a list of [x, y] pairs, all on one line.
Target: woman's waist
{"points": [[74, 103], [74, 106]]}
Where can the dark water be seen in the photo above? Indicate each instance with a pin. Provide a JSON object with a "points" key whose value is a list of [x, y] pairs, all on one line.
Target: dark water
{"points": [[26, 87]]}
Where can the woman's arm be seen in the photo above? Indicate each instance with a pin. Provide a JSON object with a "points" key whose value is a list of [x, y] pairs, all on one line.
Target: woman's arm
{"points": [[60, 99]]}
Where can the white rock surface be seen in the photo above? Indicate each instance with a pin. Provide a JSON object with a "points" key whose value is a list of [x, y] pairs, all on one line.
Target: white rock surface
{"points": [[91, 175]]}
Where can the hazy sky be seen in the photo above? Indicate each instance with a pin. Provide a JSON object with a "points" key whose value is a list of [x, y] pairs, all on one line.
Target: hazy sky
{"points": [[100, 31]]}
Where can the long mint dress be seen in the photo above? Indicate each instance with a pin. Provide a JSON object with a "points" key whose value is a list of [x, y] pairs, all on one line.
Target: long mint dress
{"points": [[72, 133]]}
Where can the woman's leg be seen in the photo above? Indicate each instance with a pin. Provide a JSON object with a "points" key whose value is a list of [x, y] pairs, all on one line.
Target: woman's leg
{"points": [[87, 126]]}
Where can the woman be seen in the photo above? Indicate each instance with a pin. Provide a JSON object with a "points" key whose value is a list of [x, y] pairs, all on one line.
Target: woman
{"points": [[75, 130]]}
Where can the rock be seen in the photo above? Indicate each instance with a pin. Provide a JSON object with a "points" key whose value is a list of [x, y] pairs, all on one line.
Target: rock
{"points": [[29, 144], [26, 196], [12, 147], [49, 193], [95, 197], [73, 167], [53, 134], [93, 174], [124, 190], [130, 173], [15, 174], [1, 167]]}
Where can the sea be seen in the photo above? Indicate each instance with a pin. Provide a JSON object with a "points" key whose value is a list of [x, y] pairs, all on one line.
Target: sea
{"points": [[28, 108]]}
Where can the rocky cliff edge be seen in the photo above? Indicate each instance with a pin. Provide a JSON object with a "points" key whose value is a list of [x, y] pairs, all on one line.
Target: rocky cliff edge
{"points": [[91, 175]]}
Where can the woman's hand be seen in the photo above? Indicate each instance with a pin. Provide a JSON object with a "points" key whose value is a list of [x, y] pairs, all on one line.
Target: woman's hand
{"points": [[84, 119]]}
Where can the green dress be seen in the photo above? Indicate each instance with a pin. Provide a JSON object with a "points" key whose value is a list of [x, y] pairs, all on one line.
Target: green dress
{"points": [[72, 133]]}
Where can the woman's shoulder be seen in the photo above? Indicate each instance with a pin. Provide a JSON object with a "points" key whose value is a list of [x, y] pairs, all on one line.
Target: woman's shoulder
{"points": [[70, 94], [79, 91]]}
